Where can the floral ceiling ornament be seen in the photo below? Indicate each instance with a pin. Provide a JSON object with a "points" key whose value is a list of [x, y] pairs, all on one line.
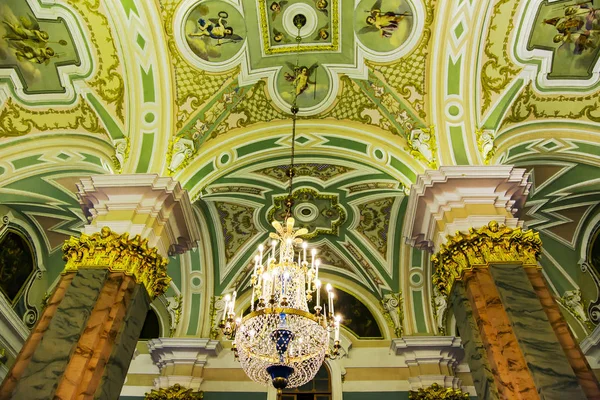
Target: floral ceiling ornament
{"points": [[573, 302], [320, 214], [122, 149], [180, 153], [422, 146], [593, 309], [174, 307], [485, 144]]}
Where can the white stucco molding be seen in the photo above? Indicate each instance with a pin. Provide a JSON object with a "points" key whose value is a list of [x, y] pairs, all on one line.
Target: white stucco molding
{"points": [[420, 350], [159, 209], [191, 352], [437, 193], [591, 348], [445, 351], [13, 332], [169, 351]]}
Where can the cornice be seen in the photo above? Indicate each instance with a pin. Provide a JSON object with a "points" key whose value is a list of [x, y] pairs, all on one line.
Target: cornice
{"points": [[171, 351], [419, 350], [455, 198], [154, 207]]}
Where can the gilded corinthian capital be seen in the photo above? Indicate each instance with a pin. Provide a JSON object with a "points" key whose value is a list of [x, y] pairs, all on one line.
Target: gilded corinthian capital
{"points": [[437, 392], [492, 243], [175, 392], [118, 253]]}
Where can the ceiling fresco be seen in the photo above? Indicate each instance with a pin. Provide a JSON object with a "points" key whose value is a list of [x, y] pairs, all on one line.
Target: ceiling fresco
{"points": [[260, 35], [346, 207], [35, 48], [568, 31], [200, 90]]}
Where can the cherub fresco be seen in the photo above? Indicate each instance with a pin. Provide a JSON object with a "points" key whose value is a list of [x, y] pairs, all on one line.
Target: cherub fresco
{"points": [[384, 22], [38, 55], [216, 28], [322, 33], [26, 28], [276, 7], [279, 37], [214, 31], [577, 28], [300, 78], [321, 5], [28, 41]]}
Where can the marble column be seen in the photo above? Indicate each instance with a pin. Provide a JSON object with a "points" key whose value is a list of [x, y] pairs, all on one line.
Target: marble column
{"points": [[84, 341], [516, 341]]}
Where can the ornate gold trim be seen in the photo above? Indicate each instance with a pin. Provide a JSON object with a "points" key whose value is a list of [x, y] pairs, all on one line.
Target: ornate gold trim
{"points": [[492, 243], [175, 392], [293, 48], [438, 392], [279, 310], [118, 253]]}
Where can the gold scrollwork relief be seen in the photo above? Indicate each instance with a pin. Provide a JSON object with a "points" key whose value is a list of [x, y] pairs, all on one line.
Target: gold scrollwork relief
{"points": [[437, 392], [175, 392], [492, 243], [118, 253]]}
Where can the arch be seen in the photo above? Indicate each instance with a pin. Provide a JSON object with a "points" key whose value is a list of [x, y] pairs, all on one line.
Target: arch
{"points": [[277, 133], [335, 371], [152, 326], [17, 264], [366, 298]]}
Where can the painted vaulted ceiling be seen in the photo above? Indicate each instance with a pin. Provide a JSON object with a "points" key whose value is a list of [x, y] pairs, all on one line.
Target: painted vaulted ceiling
{"points": [[201, 90]]}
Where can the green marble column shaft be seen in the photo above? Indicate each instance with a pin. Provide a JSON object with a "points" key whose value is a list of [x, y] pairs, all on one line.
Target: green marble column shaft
{"points": [[475, 353], [87, 347], [125, 342], [554, 378]]}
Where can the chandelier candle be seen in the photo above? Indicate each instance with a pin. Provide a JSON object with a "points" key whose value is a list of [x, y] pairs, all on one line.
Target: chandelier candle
{"points": [[280, 340]]}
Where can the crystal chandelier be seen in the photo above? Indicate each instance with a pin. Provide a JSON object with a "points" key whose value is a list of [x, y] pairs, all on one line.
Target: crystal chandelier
{"points": [[281, 340]]}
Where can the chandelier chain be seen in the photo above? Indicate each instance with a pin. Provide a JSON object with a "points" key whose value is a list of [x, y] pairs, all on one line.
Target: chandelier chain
{"points": [[294, 110], [281, 341]]}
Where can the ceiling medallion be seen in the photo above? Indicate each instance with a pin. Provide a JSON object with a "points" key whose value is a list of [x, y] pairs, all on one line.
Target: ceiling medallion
{"points": [[306, 212], [330, 214], [281, 341]]}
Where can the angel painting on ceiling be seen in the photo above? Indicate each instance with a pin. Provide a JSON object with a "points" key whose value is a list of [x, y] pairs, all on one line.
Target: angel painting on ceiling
{"points": [[321, 5], [576, 30], [27, 40], [217, 29], [276, 7], [571, 31], [214, 35], [386, 25], [383, 22], [300, 78], [34, 47]]}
